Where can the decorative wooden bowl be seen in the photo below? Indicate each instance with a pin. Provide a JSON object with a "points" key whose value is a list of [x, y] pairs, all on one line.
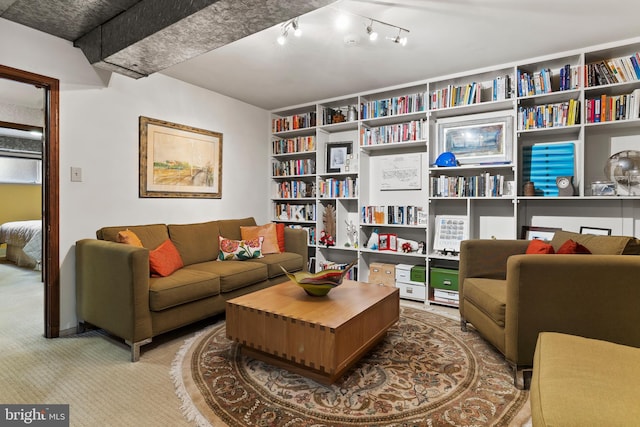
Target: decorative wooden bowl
{"points": [[319, 284]]}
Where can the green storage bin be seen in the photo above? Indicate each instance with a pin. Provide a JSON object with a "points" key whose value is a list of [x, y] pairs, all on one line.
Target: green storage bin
{"points": [[418, 274], [443, 278]]}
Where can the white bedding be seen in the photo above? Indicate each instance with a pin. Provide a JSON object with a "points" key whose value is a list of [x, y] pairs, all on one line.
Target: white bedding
{"points": [[24, 235]]}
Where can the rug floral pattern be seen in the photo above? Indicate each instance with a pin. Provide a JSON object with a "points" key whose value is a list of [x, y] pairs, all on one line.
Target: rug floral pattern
{"points": [[426, 372]]}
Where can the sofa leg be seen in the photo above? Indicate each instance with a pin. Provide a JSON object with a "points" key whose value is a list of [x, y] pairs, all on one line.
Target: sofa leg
{"points": [[521, 376], [463, 325], [135, 348]]}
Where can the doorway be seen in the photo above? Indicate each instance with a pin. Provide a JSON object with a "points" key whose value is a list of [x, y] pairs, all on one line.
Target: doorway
{"points": [[50, 193]]}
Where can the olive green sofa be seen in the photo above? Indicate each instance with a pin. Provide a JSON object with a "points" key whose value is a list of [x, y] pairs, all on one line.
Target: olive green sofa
{"points": [[115, 291], [510, 297]]}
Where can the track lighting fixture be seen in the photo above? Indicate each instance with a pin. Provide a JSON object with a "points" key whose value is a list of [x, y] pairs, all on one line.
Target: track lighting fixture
{"points": [[373, 35], [284, 32], [294, 26]]}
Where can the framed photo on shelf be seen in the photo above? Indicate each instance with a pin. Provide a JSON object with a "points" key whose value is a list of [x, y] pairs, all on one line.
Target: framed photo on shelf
{"points": [[387, 242], [530, 232], [450, 231], [478, 139], [337, 155], [595, 230]]}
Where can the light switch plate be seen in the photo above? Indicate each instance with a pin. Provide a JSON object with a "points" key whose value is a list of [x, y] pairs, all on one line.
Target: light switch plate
{"points": [[76, 174]]}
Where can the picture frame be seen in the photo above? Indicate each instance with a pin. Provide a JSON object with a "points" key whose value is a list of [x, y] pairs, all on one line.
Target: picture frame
{"points": [[595, 230], [401, 172], [337, 155], [450, 230], [388, 242], [477, 139], [530, 232], [179, 161]]}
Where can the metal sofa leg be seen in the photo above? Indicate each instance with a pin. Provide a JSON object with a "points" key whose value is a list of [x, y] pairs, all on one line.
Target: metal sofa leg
{"points": [[135, 348], [521, 376], [463, 325]]}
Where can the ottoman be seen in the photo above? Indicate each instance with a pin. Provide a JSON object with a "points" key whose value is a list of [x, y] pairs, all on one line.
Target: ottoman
{"points": [[584, 382]]}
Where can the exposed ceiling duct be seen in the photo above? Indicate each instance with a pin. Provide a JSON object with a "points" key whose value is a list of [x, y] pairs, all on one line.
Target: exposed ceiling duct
{"points": [[139, 38]]}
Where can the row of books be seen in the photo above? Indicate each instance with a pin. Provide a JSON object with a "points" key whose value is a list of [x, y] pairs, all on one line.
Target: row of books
{"points": [[483, 185], [393, 106], [351, 275], [415, 130], [295, 212], [453, 96], [501, 88], [540, 82], [294, 167], [614, 70], [610, 108], [332, 187], [549, 115], [294, 145], [296, 121], [295, 189], [397, 215], [311, 235]]}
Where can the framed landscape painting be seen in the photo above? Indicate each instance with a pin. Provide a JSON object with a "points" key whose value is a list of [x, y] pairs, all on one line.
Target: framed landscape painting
{"points": [[179, 161]]}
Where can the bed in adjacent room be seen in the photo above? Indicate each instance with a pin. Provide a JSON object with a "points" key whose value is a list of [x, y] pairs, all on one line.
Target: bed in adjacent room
{"points": [[24, 242]]}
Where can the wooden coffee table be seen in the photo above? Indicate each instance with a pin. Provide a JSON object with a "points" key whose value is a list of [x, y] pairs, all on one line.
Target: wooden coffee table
{"points": [[318, 337]]}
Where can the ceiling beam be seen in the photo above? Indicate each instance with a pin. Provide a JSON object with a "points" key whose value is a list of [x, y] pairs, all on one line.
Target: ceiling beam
{"points": [[156, 34]]}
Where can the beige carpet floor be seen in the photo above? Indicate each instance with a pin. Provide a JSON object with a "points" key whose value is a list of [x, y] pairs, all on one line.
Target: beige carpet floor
{"points": [[91, 372]]}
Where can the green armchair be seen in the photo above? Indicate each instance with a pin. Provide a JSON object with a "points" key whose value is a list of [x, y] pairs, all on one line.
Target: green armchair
{"points": [[510, 297]]}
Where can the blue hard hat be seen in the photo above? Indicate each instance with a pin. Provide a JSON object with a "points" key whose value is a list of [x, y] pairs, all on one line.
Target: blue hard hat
{"points": [[446, 159]]}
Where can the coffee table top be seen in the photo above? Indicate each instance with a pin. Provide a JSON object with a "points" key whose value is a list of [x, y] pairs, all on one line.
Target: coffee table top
{"points": [[336, 308]]}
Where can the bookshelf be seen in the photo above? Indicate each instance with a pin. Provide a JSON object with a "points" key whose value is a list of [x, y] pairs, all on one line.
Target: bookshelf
{"points": [[537, 103]]}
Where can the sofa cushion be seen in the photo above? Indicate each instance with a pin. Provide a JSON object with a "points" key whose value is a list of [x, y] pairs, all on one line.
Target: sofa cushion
{"points": [[165, 259], [584, 382], [181, 287], [196, 242], [292, 262], [489, 296], [230, 228], [599, 245], [233, 274], [268, 231], [151, 236]]}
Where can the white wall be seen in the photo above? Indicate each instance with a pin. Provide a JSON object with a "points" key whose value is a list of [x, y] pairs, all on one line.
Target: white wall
{"points": [[99, 133]]}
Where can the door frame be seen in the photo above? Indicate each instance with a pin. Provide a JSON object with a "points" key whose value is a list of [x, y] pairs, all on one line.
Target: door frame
{"points": [[50, 193]]}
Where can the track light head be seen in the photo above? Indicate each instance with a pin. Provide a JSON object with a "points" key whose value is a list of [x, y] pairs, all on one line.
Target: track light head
{"points": [[296, 28], [282, 38], [372, 34]]}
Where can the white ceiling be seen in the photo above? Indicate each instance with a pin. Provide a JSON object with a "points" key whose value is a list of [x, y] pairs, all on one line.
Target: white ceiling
{"points": [[446, 36]]}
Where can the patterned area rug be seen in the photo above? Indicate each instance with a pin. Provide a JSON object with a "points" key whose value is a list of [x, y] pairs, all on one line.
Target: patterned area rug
{"points": [[426, 372]]}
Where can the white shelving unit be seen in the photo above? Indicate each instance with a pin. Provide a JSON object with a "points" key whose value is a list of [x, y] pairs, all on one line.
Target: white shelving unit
{"points": [[393, 127]]}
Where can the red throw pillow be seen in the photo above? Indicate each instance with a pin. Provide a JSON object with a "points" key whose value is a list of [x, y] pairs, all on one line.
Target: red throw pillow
{"points": [[537, 246], [572, 247], [165, 259], [280, 233]]}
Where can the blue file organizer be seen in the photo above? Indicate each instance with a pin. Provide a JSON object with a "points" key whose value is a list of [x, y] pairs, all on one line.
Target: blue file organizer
{"points": [[542, 163]]}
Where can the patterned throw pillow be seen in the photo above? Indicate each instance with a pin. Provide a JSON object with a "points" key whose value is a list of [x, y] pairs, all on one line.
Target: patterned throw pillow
{"points": [[240, 249]]}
